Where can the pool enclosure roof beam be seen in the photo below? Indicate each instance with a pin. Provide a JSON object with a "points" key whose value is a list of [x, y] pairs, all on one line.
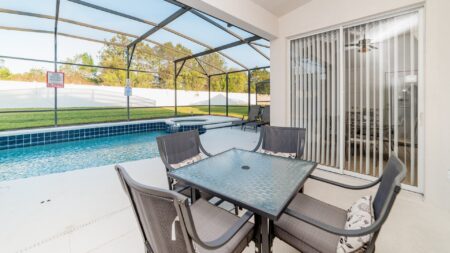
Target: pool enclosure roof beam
{"points": [[209, 20], [154, 24], [221, 27], [58, 33], [201, 66], [238, 71], [259, 44], [218, 49], [30, 14], [160, 25], [80, 38], [75, 64]]}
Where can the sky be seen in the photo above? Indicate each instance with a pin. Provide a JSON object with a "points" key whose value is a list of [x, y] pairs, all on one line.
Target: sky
{"points": [[40, 46]]}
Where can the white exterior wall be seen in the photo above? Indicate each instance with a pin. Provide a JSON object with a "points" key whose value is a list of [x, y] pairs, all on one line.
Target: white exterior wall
{"points": [[320, 14], [37, 95]]}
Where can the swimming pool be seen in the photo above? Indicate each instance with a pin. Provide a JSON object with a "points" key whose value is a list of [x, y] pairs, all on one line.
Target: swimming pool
{"points": [[66, 156]]}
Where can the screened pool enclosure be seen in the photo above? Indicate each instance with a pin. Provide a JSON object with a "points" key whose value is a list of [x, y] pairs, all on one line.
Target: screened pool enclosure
{"points": [[178, 61]]}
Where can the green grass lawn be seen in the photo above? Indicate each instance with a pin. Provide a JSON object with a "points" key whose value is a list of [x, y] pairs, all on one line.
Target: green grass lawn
{"points": [[9, 121]]}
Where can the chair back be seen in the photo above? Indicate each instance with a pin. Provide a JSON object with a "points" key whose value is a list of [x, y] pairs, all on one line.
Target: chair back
{"points": [[283, 139], [253, 113], [177, 147], [158, 215], [389, 187], [265, 116]]}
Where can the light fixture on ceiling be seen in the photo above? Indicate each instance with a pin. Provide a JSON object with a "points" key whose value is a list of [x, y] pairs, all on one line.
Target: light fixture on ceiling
{"points": [[364, 45]]}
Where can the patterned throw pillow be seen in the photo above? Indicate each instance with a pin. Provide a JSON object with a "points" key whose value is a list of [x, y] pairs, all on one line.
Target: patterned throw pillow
{"points": [[187, 161], [359, 215], [280, 154]]}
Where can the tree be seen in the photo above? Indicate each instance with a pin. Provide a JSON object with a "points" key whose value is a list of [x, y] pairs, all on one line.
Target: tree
{"points": [[112, 55], [158, 60], [258, 76], [80, 74], [237, 82], [33, 75], [5, 74]]}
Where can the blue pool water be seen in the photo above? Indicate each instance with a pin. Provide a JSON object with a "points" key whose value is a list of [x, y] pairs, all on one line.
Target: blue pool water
{"points": [[54, 158]]}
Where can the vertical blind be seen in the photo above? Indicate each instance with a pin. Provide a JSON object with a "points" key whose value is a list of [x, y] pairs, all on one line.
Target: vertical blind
{"points": [[381, 80], [380, 97], [315, 95]]}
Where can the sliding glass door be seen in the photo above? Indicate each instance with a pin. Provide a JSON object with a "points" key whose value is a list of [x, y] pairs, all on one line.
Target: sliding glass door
{"points": [[381, 88], [377, 84]]}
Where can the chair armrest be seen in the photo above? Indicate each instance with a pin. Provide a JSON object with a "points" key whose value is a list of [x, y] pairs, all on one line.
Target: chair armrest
{"points": [[204, 150], [169, 167], [260, 141], [334, 230], [228, 235], [351, 187]]}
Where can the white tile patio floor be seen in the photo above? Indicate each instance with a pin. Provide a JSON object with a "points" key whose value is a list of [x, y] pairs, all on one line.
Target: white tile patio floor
{"points": [[86, 210]]}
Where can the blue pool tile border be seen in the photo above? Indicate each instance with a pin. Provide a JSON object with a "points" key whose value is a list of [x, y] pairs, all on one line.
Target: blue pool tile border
{"points": [[58, 136]]}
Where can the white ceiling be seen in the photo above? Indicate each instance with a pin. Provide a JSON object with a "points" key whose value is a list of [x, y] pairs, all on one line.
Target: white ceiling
{"points": [[280, 7]]}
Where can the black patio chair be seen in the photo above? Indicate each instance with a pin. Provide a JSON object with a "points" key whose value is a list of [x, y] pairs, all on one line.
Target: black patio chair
{"points": [[311, 225], [169, 224], [288, 140], [264, 120], [253, 115], [179, 147]]}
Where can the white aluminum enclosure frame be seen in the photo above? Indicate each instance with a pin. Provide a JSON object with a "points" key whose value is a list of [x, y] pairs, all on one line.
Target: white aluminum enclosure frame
{"points": [[418, 8]]}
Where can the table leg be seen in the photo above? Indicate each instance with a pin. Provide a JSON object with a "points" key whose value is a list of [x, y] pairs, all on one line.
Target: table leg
{"points": [[265, 235], [257, 236], [193, 195]]}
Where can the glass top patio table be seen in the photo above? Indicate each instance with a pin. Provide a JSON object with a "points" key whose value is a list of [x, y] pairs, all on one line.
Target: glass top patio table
{"points": [[261, 183]]}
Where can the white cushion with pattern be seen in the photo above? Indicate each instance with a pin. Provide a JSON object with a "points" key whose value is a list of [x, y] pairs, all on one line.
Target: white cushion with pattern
{"points": [[359, 215], [187, 161], [280, 154]]}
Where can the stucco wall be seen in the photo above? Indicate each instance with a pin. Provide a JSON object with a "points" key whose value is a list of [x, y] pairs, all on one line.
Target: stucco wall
{"points": [[320, 14]]}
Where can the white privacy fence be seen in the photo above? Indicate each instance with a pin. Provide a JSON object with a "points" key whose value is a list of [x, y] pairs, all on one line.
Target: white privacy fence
{"points": [[37, 95]]}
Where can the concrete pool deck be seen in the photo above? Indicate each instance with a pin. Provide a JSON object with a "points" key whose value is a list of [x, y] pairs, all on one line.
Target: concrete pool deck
{"points": [[87, 210]]}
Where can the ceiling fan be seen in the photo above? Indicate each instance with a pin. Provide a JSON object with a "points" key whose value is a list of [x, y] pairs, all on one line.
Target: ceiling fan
{"points": [[364, 45]]}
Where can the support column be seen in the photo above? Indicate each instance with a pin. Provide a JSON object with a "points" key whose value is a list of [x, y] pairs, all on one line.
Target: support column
{"points": [[128, 82], [209, 95], [249, 80], [55, 61], [177, 73], [226, 88], [175, 86]]}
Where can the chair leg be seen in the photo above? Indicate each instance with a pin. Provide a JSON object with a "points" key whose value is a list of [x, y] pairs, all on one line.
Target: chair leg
{"points": [[170, 181], [148, 248]]}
